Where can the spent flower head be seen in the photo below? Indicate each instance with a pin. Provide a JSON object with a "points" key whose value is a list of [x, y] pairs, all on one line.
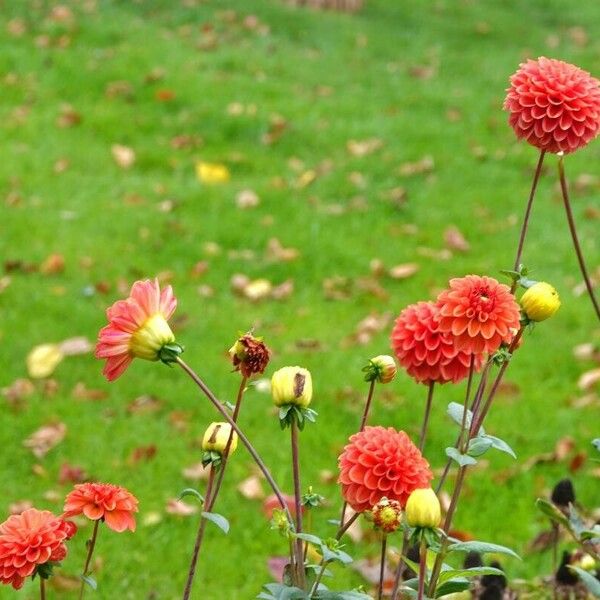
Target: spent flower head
{"points": [[249, 355], [387, 515]]}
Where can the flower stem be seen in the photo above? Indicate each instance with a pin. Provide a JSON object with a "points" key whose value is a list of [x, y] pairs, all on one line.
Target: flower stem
{"points": [[199, 537], [398, 578], [91, 544], [298, 501], [315, 587], [575, 238], [422, 569], [525, 225], [257, 459], [426, 416], [382, 566], [345, 526], [42, 588]]}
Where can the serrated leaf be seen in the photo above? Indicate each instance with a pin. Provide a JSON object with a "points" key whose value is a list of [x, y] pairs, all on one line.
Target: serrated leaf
{"points": [[219, 520], [501, 445], [465, 573], [463, 460], [482, 548], [191, 492], [591, 583], [551, 511], [89, 580], [479, 445]]}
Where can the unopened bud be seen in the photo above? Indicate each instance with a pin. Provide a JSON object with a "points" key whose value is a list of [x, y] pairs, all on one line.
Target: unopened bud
{"points": [[382, 368], [540, 301], [291, 385], [423, 509], [216, 437]]}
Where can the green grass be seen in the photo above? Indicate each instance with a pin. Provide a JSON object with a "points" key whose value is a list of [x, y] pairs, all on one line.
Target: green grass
{"points": [[333, 78]]}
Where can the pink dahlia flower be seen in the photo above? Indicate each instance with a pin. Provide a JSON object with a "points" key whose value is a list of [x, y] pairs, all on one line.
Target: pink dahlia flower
{"points": [[137, 327], [103, 501], [381, 463], [427, 354], [554, 105], [28, 540], [479, 313]]}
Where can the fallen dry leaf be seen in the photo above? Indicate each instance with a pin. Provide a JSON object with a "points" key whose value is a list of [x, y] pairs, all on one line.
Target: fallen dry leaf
{"points": [[53, 264], [283, 290], [251, 488], [42, 360], [196, 472], [16, 508], [258, 289], [145, 404], [45, 438], [123, 155], [247, 199], [82, 392], [455, 240], [361, 148], [75, 346], [276, 252], [69, 473], [141, 453], [212, 173], [403, 271], [589, 379], [180, 508], [425, 165], [18, 390]]}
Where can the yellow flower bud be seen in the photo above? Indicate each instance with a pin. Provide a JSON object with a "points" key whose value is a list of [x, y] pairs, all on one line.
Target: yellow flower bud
{"points": [[150, 338], [381, 368], [423, 509], [216, 437], [540, 301], [291, 385]]}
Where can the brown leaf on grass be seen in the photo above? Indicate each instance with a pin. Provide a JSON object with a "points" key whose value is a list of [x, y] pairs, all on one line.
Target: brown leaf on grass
{"points": [[443, 254], [69, 473], [589, 379], [277, 127], [82, 392], [276, 252], [68, 117], [16, 27], [587, 351], [16, 508], [563, 447], [419, 167], [53, 264], [404, 271], [185, 141], [75, 346], [337, 288], [64, 583], [180, 508], [144, 405], [577, 462], [283, 290], [247, 199], [119, 89], [17, 391], [40, 442], [423, 71], [197, 472], [327, 476], [5, 281], [142, 453], [42, 360], [455, 240], [258, 289], [251, 488], [179, 420], [123, 156], [361, 148], [369, 326], [305, 179]]}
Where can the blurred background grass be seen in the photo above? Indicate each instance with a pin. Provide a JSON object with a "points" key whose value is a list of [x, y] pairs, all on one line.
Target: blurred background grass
{"points": [[275, 94]]}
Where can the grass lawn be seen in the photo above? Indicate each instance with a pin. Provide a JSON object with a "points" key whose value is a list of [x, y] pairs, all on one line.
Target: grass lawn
{"points": [[276, 94]]}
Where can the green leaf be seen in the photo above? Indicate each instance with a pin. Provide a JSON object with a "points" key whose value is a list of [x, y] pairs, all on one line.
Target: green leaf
{"points": [[465, 573], [455, 411], [500, 444], [219, 520], [452, 587], [278, 591], [462, 459], [330, 555], [551, 511], [191, 492], [307, 537], [591, 583], [482, 548], [89, 580], [479, 445]]}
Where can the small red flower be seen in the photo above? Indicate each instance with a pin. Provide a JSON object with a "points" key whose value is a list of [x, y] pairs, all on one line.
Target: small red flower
{"points": [[29, 539], [554, 105], [110, 503], [479, 313], [427, 354], [379, 462]]}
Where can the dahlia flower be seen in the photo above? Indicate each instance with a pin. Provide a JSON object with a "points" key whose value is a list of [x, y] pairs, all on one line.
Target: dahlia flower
{"points": [[387, 515], [554, 105], [381, 462], [29, 540], [138, 328], [479, 313], [103, 501], [427, 354], [249, 355]]}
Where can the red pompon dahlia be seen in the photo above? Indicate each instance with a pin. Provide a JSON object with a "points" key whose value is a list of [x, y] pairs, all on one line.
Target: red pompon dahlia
{"points": [[427, 354], [381, 463], [479, 313], [29, 540], [137, 328], [554, 105], [103, 501]]}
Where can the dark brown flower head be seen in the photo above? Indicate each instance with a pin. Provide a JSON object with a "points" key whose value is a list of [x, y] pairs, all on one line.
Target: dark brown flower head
{"points": [[249, 355], [563, 493]]}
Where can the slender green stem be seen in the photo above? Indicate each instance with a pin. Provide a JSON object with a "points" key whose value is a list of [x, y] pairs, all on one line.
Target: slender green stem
{"points": [[425, 424], [572, 228], [398, 578], [42, 588], [242, 437], [298, 502], [525, 225], [422, 569], [199, 537], [345, 526], [315, 587], [382, 566], [91, 544]]}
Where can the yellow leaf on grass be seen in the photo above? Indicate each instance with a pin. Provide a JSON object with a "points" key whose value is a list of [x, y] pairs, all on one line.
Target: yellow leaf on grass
{"points": [[212, 172], [43, 359]]}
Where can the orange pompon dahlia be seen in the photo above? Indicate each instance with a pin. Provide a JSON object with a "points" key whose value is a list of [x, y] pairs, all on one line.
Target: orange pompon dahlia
{"points": [[103, 501], [427, 354], [479, 313], [378, 463], [138, 328], [30, 540], [554, 105]]}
